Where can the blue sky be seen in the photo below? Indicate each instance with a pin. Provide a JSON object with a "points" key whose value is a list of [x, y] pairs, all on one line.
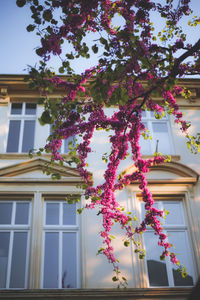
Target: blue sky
{"points": [[17, 45]]}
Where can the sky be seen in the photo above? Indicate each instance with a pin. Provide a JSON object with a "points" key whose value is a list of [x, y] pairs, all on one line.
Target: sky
{"points": [[17, 46]]}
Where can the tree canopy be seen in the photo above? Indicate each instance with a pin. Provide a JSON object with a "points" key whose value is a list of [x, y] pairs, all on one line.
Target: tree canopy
{"points": [[135, 62]]}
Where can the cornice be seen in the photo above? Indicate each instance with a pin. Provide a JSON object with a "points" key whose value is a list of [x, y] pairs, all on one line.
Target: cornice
{"points": [[14, 88]]}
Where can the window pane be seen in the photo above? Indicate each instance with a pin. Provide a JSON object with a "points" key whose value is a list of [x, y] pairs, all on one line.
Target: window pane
{"points": [[69, 214], [160, 134], [22, 213], [144, 114], [28, 136], [51, 260], [156, 269], [5, 213], [159, 127], [181, 244], [145, 144], [4, 246], [52, 213], [30, 109], [16, 109], [70, 142], [69, 260], [13, 136], [18, 265], [176, 215]]}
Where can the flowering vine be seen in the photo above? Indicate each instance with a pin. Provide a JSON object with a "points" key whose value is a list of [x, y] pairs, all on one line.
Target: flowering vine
{"points": [[134, 65]]}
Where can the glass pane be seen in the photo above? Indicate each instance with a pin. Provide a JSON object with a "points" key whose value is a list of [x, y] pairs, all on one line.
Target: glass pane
{"points": [[18, 264], [52, 213], [145, 144], [22, 213], [176, 215], [4, 247], [5, 213], [157, 271], [160, 127], [51, 260], [16, 109], [13, 136], [160, 134], [28, 136], [144, 114], [69, 263], [70, 142], [180, 241], [69, 214], [30, 109]]}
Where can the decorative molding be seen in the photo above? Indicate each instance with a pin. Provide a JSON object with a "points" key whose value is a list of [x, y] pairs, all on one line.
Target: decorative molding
{"points": [[187, 175], [18, 89], [34, 165]]}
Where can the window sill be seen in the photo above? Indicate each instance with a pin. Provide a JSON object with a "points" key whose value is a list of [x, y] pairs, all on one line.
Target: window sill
{"points": [[107, 294], [173, 157], [15, 155], [25, 156]]}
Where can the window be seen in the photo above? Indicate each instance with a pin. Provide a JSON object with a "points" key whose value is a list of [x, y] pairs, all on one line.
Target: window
{"points": [[67, 145], [160, 132], [163, 273], [21, 127], [14, 243], [60, 244]]}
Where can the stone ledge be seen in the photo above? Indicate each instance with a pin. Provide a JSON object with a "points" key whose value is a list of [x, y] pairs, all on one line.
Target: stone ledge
{"points": [[105, 294]]}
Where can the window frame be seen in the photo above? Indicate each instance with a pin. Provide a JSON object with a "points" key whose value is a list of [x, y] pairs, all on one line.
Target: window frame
{"points": [[149, 119], [172, 228], [60, 229], [12, 228], [22, 118]]}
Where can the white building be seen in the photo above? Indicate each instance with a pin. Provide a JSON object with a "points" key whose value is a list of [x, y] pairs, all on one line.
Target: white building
{"points": [[47, 250]]}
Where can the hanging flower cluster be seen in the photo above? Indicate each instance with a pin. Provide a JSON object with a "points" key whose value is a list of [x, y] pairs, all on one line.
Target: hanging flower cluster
{"points": [[134, 65]]}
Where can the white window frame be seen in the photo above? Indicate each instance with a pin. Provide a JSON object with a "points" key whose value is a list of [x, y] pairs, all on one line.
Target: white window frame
{"points": [[176, 228], [12, 228], [149, 119], [22, 118], [60, 229]]}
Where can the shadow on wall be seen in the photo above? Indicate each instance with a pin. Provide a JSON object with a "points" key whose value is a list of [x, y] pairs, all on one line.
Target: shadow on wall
{"points": [[195, 295]]}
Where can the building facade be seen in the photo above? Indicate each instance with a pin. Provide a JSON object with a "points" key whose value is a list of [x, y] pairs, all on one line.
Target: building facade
{"points": [[48, 250]]}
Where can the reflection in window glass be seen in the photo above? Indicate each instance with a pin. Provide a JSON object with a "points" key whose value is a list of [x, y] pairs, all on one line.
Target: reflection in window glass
{"points": [[176, 214], [157, 270], [22, 213], [69, 214], [4, 248], [52, 213], [69, 260], [145, 144], [16, 109], [5, 213], [30, 109], [18, 266], [180, 242], [51, 260], [28, 136], [13, 136]]}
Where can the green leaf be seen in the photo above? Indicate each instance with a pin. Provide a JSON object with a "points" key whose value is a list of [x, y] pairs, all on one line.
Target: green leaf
{"points": [[95, 48], [30, 28], [47, 15], [20, 3], [79, 210], [126, 243], [115, 278]]}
